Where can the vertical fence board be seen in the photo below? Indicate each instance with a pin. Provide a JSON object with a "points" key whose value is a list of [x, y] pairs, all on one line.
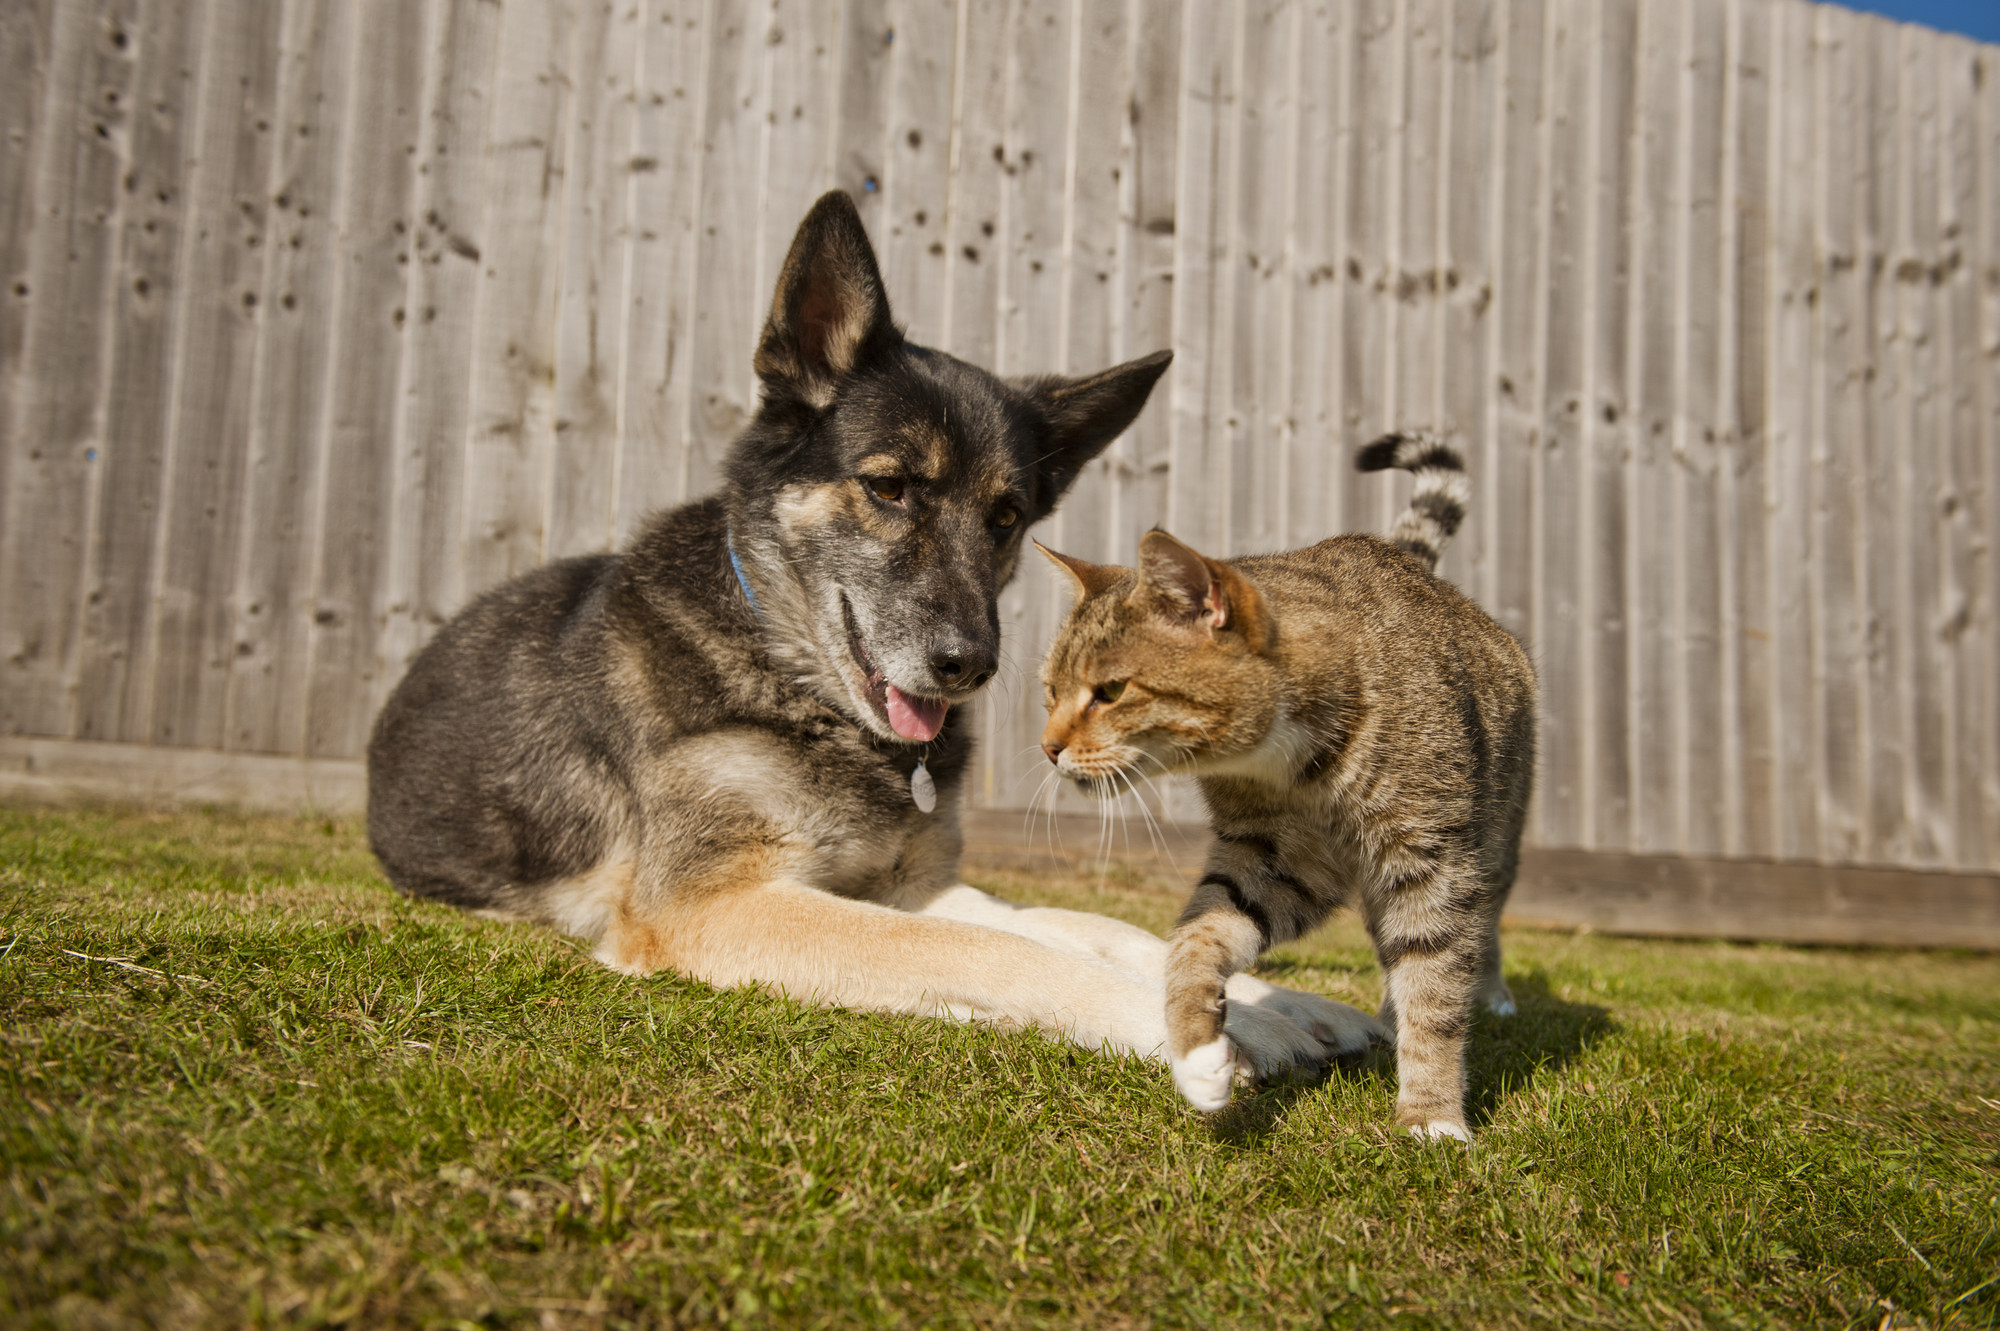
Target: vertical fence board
{"points": [[1838, 464], [1144, 280], [266, 705], [149, 290], [590, 315], [427, 549], [357, 459], [1516, 309], [192, 637], [1028, 255], [27, 55], [667, 130], [1792, 295], [1469, 171], [1748, 629], [54, 412], [512, 413], [1370, 197], [1311, 272], [916, 162], [1985, 264], [1698, 534], [1650, 483], [1964, 503], [1560, 457], [1605, 548]]}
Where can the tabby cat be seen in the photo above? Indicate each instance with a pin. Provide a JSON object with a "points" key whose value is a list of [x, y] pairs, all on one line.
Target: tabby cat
{"points": [[1362, 733]]}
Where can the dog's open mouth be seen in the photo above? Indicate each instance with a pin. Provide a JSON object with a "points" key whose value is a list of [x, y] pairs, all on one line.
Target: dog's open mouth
{"points": [[913, 718]]}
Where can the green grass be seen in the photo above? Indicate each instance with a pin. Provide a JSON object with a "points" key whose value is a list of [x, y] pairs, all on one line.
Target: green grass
{"points": [[321, 1105]]}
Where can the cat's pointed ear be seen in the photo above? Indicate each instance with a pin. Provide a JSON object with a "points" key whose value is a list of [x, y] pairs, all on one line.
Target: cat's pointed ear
{"points": [[830, 313], [1087, 413], [1089, 578], [1184, 584]]}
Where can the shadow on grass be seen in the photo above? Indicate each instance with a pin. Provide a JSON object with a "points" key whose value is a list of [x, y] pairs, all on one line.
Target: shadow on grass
{"points": [[1506, 1054]]}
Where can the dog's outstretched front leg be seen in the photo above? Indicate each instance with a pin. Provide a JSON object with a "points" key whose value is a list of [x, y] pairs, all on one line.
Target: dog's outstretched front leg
{"points": [[811, 945], [1258, 1013]]}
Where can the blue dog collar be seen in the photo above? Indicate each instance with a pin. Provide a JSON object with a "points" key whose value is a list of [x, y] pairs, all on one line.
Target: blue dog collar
{"points": [[729, 537]]}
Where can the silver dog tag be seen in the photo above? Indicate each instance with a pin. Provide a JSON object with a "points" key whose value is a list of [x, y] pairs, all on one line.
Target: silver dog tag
{"points": [[922, 789]]}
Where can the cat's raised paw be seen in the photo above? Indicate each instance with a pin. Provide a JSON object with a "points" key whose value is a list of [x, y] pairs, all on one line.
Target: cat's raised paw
{"points": [[1439, 1129], [1204, 1077]]}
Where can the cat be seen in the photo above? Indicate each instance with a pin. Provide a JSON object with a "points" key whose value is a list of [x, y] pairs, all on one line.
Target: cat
{"points": [[1362, 734]]}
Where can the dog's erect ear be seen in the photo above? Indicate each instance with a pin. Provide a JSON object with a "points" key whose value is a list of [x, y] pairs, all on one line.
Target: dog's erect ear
{"points": [[1178, 582], [1086, 414], [1088, 578], [830, 314]]}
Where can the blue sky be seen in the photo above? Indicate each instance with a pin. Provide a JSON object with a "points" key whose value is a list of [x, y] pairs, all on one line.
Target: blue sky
{"points": [[1974, 18]]}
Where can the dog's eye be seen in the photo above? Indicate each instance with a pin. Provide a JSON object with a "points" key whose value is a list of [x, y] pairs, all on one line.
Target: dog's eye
{"points": [[888, 489], [1108, 691], [1006, 517]]}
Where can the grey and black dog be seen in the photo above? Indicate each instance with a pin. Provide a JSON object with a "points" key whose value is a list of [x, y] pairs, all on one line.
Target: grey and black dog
{"points": [[734, 750]]}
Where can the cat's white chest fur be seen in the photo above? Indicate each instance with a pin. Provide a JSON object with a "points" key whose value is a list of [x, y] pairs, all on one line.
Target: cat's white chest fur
{"points": [[1271, 763]]}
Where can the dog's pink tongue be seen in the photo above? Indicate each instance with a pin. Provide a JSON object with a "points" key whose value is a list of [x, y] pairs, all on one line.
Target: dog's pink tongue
{"points": [[915, 718]]}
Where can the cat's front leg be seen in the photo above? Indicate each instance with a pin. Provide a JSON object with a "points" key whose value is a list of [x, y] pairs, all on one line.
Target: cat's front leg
{"points": [[1215, 939]]}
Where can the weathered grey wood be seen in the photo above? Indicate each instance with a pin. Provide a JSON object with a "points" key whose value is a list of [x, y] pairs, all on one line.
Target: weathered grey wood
{"points": [[1748, 628], [74, 772], [191, 640], [1707, 290], [916, 163], [511, 430], [596, 236], [266, 704], [1838, 553], [1144, 283], [1607, 428], [1028, 255], [427, 576], [1560, 519], [54, 412], [728, 309], [1981, 805], [357, 457], [147, 311], [1512, 428], [1792, 296], [1962, 499], [1473, 145], [1367, 294], [1698, 538], [1650, 389], [27, 52], [666, 163]]}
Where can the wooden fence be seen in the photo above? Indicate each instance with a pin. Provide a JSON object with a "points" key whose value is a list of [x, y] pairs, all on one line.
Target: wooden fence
{"points": [[322, 315]]}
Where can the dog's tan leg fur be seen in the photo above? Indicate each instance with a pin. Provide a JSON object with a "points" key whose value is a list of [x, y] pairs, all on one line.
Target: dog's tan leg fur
{"points": [[818, 947]]}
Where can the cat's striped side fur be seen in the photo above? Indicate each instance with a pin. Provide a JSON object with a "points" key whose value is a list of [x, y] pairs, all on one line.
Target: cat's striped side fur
{"points": [[1363, 735]]}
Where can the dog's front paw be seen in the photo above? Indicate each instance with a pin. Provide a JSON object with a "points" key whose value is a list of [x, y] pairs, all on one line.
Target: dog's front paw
{"points": [[1206, 1073], [1271, 1045], [1343, 1032]]}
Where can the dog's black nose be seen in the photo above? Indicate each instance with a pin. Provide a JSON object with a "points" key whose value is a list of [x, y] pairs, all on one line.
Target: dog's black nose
{"points": [[961, 665]]}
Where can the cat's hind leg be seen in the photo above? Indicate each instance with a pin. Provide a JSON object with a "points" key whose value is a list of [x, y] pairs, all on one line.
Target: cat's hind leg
{"points": [[1434, 949]]}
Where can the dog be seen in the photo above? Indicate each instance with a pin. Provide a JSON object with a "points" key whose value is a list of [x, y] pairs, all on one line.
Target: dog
{"points": [[734, 750]]}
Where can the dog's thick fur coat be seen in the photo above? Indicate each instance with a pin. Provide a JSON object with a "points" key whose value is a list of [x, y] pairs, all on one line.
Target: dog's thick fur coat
{"points": [[698, 751]]}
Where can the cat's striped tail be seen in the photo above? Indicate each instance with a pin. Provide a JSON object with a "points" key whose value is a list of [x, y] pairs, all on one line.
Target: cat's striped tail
{"points": [[1438, 503]]}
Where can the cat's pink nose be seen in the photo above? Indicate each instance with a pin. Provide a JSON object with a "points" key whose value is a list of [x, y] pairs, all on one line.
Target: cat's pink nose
{"points": [[1053, 750]]}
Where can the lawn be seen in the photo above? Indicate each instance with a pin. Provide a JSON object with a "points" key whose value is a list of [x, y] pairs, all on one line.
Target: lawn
{"points": [[243, 1083]]}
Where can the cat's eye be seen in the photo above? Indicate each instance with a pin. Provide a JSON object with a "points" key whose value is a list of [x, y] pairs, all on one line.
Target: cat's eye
{"points": [[1109, 691], [888, 489], [1006, 516]]}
